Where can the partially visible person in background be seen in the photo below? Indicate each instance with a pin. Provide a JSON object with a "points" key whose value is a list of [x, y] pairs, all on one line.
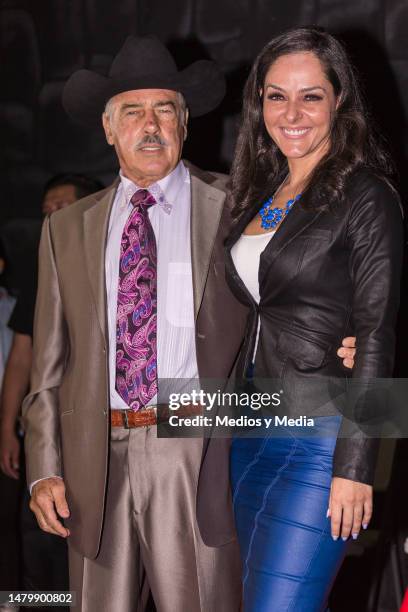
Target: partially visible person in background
{"points": [[64, 189], [9, 489], [44, 557], [7, 303], [60, 191]]}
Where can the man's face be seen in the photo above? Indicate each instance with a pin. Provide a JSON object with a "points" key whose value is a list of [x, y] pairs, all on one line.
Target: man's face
{"points": [[58, 197], [147, 127]]}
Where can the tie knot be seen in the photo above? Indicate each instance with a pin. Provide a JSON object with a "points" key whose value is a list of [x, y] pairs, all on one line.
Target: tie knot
{"points": [[142, 197]]}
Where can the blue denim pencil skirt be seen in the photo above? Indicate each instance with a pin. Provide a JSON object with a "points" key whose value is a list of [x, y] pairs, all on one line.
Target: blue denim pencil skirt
{"points": [[281, 486]]}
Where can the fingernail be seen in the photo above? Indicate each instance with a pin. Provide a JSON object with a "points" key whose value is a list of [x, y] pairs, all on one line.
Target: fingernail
{"points": [[344, 538], [328, 513], [365, 525], [354, 536], [335, 537]]}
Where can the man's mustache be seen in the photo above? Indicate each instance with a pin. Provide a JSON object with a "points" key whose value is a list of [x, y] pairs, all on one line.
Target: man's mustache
{"points": [[150, 140]]}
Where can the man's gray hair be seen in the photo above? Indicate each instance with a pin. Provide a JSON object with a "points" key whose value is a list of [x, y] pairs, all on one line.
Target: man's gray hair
{"points": [[183, 105], [109, 108]]}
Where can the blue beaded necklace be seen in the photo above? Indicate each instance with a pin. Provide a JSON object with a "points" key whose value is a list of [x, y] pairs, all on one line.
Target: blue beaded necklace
{"points": [[271, 217]]}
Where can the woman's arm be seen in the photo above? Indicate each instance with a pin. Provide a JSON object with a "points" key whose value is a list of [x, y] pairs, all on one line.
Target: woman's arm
{"points": [[375, 240]]}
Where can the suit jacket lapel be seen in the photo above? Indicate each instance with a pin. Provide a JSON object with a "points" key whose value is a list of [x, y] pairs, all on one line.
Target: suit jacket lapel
{"points": [[96, 222], [206, 208]]}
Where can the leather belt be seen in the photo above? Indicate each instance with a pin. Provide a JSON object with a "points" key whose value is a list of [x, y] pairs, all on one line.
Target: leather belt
{"points": [[152, 415]]}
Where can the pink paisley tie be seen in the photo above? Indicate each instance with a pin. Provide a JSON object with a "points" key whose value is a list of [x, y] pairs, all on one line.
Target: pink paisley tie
{"points": [[136, 327]]}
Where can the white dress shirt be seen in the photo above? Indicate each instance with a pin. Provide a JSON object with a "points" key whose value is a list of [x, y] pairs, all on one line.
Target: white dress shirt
{"points": [[170, 219]]}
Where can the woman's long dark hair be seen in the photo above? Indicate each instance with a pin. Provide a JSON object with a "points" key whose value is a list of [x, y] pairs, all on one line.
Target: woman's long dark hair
{"points": [[259, 166]]}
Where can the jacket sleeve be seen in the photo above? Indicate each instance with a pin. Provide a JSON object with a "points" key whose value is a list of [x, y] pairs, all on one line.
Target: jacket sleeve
{"points": [[40, 407], [375, 242]]}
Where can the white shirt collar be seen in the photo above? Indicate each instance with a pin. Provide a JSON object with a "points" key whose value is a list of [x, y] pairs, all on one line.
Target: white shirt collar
{"points": [[165, 190]]}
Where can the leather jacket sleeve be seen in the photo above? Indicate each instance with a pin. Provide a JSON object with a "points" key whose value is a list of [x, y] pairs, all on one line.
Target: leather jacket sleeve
{"points": [[375, 240]]}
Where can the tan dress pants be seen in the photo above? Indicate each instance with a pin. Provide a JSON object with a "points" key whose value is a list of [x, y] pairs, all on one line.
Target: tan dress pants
{"points": [[150, 534]]}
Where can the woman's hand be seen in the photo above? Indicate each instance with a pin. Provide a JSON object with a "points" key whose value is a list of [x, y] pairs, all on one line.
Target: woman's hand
{"points": [[350, 507], [347, 351]]}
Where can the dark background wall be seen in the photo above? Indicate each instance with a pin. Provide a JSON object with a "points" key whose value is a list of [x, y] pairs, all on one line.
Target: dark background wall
{"points": [[43, 41]]}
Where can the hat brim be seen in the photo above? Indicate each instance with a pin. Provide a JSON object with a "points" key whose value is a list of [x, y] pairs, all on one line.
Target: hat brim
{"points": [[86, 92]]}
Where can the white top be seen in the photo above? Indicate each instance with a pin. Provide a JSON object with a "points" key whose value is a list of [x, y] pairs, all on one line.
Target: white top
{"points": [[170, 219], [246, 254]]}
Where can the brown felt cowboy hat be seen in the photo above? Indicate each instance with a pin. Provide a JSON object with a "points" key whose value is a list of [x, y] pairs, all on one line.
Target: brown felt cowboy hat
{"points": [[143, 63]]}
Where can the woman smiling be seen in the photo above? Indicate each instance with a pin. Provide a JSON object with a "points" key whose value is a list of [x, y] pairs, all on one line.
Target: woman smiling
{"points": [[316, 254]]}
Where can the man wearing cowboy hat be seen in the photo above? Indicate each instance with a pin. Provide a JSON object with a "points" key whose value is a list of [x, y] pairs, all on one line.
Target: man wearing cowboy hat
{"points": [[131, 287]]}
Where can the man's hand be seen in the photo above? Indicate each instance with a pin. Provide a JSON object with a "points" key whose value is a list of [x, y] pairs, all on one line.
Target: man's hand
{"points": [[47, 502], [350, 507], [347, 351], [9, 453]]}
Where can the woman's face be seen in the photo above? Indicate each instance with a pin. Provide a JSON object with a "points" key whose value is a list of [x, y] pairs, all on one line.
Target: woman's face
{"points": [[298, 106]]}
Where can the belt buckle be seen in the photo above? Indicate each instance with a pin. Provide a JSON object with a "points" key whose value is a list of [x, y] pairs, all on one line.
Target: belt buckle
{"points": [[125, 418]]}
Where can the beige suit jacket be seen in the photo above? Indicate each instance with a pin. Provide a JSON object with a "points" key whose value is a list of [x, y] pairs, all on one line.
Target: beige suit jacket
{"points": [[66, 413]]}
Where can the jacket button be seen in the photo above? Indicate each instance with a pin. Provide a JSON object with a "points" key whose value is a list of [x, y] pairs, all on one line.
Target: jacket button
{"points": [[201, 336]]}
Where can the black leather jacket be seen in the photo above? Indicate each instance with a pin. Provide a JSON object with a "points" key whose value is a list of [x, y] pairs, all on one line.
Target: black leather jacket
{"points": [[323, 276]]}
